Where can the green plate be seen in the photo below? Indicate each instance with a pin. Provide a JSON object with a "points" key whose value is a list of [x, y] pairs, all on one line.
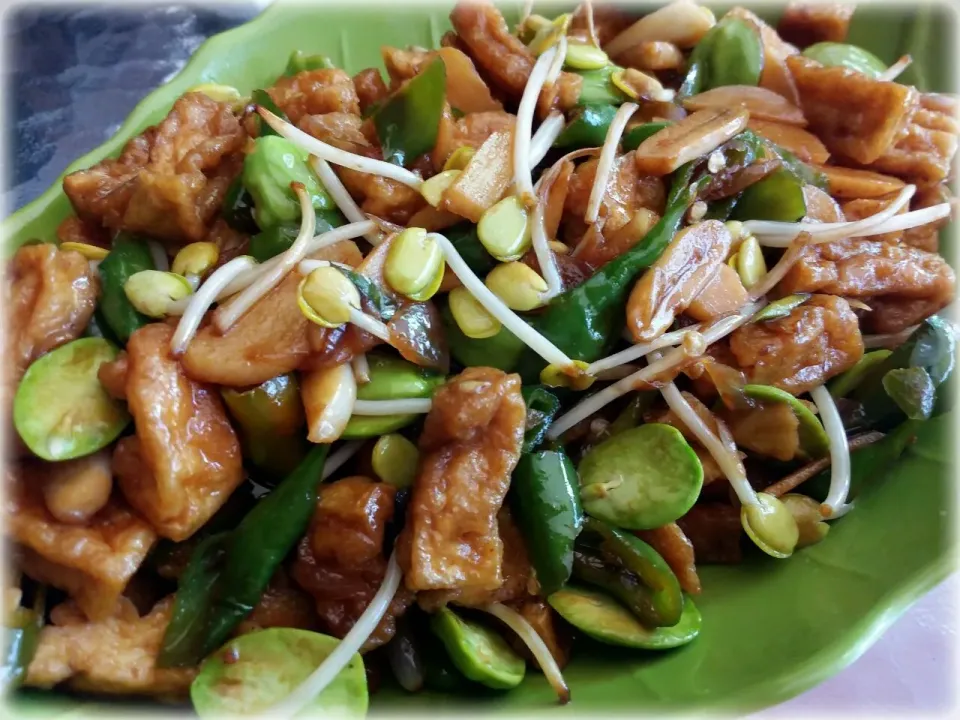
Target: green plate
{"points": [[771, 629]]}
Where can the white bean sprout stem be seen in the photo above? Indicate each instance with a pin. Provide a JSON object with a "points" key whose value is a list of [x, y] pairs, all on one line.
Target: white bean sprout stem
{"points": [[607, 157], [403, 406], [836, 503], [341, 196], [523, 128]]}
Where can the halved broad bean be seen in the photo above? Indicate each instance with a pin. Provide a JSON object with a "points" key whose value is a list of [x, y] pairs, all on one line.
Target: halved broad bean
{"points": [[254, 672], [518, 285], [394, 460], [835, 54], [474, 321], [414, 265], [604, 619], [61, 410], [504, 229], [641, 478], [326, 296], [771, 526], [478, 651], [152, 292]]}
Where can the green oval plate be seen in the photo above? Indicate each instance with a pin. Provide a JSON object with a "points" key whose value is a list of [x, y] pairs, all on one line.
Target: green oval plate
{"points": [[771, 629]]}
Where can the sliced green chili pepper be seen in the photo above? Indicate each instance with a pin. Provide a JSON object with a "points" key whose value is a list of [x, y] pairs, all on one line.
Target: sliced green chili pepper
{"points": [[477, 651], [464, 238], [300, 61], [407, 122], [835, 54], [913, 391], [844, 384], [779, 196], [722, 209], [271, 419], [780, 308], [932, 347], [128, 256], [632, 414], [631, 570], [268, 172], [588, 127], [633, 137], [604, 619], [382, 303], [586, 320], [642, 478], [278, 238], [391, 378], [254, 672], [729, 54], [263, 99], [542, 406], [546, 501], [237, 209], [597, 87], [227, 574], [502, 351], [21, 635]]}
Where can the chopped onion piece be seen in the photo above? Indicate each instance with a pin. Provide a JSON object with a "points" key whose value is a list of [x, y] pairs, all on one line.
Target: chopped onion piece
{"points": [[403, 406], [836, 503], [225, 316], [893, 72], [607, 156], [371, 324], [341, 196], [523, 174], [337, 156], [538, 648], [545, 137], [203, 298], [361, 368], [727, 459], [338, 459], [780, 234], [161, 261], [495, 306], [336, 661]]}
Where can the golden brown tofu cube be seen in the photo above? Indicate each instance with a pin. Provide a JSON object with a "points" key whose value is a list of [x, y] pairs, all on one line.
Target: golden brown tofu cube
{"points": [[854, 115], [92, 562]]}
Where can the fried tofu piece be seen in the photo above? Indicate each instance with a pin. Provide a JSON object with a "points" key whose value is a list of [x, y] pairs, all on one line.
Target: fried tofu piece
{"points": [[341, 562], [469, 447], [115, 655], [815, 342], [854, 115], [185, 459], [169, 181], [315, 92], [92, 562], [50, 297]]}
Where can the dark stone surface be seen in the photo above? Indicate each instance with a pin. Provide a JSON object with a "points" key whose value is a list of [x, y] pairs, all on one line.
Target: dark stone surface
{"points": [[74, 74]]}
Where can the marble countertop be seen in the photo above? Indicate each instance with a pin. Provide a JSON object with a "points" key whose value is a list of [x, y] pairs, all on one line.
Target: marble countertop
{"points": [[75, 74]]}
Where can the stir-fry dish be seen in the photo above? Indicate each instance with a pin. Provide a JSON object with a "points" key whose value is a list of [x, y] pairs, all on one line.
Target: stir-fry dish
{"points": [[424, 379]]}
